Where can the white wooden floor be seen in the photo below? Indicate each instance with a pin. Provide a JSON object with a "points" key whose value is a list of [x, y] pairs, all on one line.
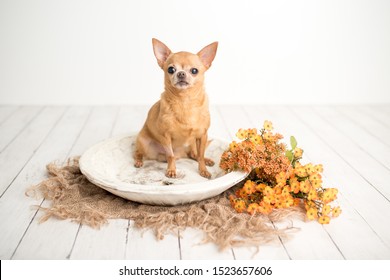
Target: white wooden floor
{"points": [[353, 143]]}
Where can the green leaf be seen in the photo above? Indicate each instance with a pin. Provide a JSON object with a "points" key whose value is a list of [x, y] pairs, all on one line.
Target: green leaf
{"points": [[293, 142], [289, 155]]}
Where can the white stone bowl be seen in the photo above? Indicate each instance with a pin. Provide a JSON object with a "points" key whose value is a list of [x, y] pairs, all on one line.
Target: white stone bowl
{"points": [[109, 165]]}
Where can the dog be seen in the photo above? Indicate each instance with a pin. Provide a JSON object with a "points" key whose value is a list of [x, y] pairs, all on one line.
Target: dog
{"points": [[177, 125]]}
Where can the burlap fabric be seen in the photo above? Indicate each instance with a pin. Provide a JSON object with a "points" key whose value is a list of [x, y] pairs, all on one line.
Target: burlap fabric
{"points": [[73, 197]]}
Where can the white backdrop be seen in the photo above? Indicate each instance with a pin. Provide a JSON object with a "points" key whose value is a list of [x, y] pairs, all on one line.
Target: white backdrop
{"points": [[100, 52]]}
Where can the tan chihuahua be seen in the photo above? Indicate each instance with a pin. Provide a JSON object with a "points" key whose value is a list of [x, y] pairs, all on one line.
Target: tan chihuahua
{"points": [[177, 124]]}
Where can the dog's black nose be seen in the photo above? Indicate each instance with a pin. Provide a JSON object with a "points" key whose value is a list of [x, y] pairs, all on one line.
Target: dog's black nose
{"points": [[181, 75]]}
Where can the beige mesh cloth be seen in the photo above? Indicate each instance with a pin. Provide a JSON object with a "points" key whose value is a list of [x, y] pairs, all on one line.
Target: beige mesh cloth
{"points": [[73, 197]]}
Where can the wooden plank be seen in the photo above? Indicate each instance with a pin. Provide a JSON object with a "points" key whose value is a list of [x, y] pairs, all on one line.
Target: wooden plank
{"points": [[310, 233], [378, 113], [6, 111], [191, 241], [39, 240], [20, 151], [345, 235], [384, 109], [368, 143], [16, 213], [351, 229], [130, 120], [140, 244], [316, 149], [143, 245], [218, 126], [360, 152], [102, 244], [15, 124], [235, 118], [365, 122], [125, 242], [269, 251], [193, 248], [97, 128], [337, 153]]}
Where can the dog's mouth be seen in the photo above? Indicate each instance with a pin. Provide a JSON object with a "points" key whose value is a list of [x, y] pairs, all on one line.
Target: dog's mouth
{"points": [[182, 84]]}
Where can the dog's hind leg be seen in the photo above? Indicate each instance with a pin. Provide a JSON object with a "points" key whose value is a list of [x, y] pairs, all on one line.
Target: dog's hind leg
{"points": [[139, 152], [138, 159]]}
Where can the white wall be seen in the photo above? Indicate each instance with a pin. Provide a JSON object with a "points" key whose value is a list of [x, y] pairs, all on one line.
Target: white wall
{"points": [[99, 52]]}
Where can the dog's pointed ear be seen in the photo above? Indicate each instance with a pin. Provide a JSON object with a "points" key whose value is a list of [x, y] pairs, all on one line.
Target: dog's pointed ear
{"points": [[161, 52], [207, 54]]}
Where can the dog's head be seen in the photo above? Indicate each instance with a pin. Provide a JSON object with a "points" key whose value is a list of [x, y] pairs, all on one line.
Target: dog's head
{"points": [[183, 70]]}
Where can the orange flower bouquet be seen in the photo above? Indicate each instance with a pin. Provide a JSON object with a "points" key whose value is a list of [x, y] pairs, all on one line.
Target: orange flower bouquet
{"points": [[276, 178]]}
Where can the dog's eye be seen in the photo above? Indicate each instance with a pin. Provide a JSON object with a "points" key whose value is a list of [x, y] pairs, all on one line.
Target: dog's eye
{"points": [[171, 70], [194, 71]]}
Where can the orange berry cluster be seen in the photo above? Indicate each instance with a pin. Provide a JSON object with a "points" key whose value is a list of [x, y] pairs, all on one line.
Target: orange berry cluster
{"points": [[277, 178]]}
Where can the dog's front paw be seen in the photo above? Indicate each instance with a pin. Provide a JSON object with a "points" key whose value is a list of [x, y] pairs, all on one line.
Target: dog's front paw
{"points": [[205, 173], [171, 173], [138, 163], [209, 162]]}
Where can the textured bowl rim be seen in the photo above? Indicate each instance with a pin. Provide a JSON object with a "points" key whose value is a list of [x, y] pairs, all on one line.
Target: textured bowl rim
{"points": [[218, 184]]}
